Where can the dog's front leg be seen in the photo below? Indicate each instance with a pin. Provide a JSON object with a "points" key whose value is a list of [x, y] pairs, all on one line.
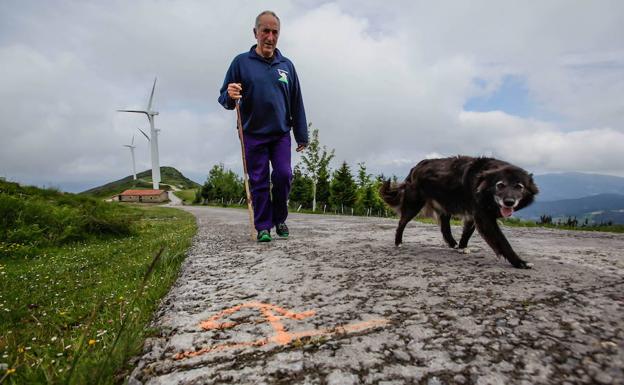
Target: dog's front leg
{"points": [[469, 228], [489, 230]]}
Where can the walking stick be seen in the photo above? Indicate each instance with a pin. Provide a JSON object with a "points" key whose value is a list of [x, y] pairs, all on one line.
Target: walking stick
{"points": [[245, 174]]}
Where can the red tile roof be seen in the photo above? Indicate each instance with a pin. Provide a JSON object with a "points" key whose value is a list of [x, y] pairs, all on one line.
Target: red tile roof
{"points": [[142, 192]]}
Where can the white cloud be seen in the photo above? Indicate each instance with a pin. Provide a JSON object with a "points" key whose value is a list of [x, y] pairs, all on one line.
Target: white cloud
{"points": [[540, 146]]}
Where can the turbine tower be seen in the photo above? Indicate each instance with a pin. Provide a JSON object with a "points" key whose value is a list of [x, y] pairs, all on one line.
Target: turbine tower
{"points": [[131, 146], [153, 139]]}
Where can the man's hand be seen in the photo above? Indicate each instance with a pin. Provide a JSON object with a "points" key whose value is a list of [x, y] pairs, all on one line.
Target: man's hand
{"points": [[301, 147], [234, 90]]}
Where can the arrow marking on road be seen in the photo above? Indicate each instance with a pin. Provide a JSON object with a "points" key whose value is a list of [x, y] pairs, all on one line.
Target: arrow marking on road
{"points": [[273, 315]]}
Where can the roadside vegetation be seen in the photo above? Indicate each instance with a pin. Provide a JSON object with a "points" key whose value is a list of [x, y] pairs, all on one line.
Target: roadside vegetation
{"points": [[569, 223], [33, 218], [79, 282], [187, 196]]}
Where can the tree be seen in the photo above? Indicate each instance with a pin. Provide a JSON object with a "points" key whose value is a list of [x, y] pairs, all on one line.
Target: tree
{"points": [[367, 194], [222, 184], [322, 186], [301, 188], [315, 159], [342, 187], [364, 178], [198, 195], [379, 205]]}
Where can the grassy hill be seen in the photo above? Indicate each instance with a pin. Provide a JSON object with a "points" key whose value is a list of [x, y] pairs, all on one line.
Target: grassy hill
{"points": [[169, 177]]}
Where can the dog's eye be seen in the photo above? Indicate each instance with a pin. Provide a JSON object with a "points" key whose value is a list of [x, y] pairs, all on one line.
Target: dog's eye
{"points": [[519, 186], [500, 185]]}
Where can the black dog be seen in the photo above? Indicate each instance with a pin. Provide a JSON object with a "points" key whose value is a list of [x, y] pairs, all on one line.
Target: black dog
{"points": [[478, 189]]}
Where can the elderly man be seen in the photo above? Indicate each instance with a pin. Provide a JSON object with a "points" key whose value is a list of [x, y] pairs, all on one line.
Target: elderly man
{"points": [[266, 85]]}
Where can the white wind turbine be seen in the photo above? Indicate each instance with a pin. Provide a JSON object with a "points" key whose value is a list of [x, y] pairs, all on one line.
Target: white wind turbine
{"points": [[153, 139], [131, 146]]}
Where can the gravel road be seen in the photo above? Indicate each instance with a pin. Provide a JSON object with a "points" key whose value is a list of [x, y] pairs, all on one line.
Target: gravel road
{"points": [[337, 303]]}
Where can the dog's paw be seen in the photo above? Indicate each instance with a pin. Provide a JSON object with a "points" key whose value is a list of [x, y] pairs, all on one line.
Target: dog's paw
{"points": [[465, 250], [398, 246], [522, 265]]}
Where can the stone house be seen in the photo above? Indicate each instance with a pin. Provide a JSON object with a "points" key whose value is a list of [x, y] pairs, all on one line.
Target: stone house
{"points": [[143, 196]]}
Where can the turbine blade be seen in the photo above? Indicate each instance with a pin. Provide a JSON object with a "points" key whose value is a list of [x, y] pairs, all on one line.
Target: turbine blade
{"points": [[147, 137], [149, 105], [137, 111], [132, 143]]}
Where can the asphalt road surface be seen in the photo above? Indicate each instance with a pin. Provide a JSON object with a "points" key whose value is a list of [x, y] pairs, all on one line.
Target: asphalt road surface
{"points": [[337, 303]]}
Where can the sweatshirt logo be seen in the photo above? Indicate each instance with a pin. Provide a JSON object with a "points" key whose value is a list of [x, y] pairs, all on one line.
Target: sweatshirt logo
{"points": [[283, 76]]}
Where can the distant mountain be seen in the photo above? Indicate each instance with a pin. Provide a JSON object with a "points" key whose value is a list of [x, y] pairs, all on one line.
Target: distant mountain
{"points": [[597, 208], [572, 185], [169, 177]]}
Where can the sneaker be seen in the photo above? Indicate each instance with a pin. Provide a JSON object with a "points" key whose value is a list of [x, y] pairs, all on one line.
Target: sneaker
{"points": [[264, 236], [282, 230]]}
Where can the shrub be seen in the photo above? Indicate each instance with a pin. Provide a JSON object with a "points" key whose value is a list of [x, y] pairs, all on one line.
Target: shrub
{"points": [[31, 217]]}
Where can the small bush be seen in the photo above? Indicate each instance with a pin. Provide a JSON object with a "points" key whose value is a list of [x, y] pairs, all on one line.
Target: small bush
{"points": [[33, 218]]}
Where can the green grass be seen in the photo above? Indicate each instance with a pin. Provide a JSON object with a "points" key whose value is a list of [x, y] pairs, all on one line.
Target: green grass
{"points": [[515, 222], [187, 196], [74, 314]]}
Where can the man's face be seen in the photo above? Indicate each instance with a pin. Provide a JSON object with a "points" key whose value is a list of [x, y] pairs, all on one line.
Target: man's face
{"points": [[266, 34]]}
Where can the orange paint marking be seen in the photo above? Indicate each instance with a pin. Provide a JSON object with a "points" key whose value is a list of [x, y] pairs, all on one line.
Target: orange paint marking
{"points": [[281, 336]]}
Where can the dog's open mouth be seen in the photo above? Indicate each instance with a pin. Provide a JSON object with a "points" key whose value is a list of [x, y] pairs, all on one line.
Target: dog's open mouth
{"points": [[506, 211]]}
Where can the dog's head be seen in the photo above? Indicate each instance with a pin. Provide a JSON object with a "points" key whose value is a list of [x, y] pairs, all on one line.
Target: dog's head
{"points": [[510, 187]]}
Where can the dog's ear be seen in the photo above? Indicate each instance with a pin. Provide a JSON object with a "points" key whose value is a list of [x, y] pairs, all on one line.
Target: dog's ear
{"points": [[531, 186]]}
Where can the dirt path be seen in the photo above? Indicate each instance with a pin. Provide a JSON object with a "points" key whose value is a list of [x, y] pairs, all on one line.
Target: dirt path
{"points": [[338, 304], [173, 199]]}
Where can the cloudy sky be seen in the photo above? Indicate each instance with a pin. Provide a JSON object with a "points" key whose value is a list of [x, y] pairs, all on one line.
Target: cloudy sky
{"points": [[537, 83]]}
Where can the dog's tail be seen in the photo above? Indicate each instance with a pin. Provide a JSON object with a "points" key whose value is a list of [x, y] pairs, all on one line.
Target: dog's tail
{"points": [[392, 194]]}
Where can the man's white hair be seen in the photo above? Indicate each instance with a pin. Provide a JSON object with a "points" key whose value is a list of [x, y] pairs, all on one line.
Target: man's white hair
{"points": [[266, 13]]}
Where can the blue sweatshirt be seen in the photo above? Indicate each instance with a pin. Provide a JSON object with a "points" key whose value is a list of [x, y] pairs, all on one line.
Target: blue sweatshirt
{"points": [[272, 101]]}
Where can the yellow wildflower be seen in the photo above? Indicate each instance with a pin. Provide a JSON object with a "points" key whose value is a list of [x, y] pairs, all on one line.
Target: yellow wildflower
{"points": [[91, 342], [10, 371]]}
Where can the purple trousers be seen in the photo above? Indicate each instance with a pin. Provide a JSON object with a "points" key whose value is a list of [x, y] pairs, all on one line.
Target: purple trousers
{"points": [[270, 203]]}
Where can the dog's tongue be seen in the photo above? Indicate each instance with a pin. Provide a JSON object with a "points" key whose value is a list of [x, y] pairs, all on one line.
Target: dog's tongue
{"points": [[506, 211]]}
